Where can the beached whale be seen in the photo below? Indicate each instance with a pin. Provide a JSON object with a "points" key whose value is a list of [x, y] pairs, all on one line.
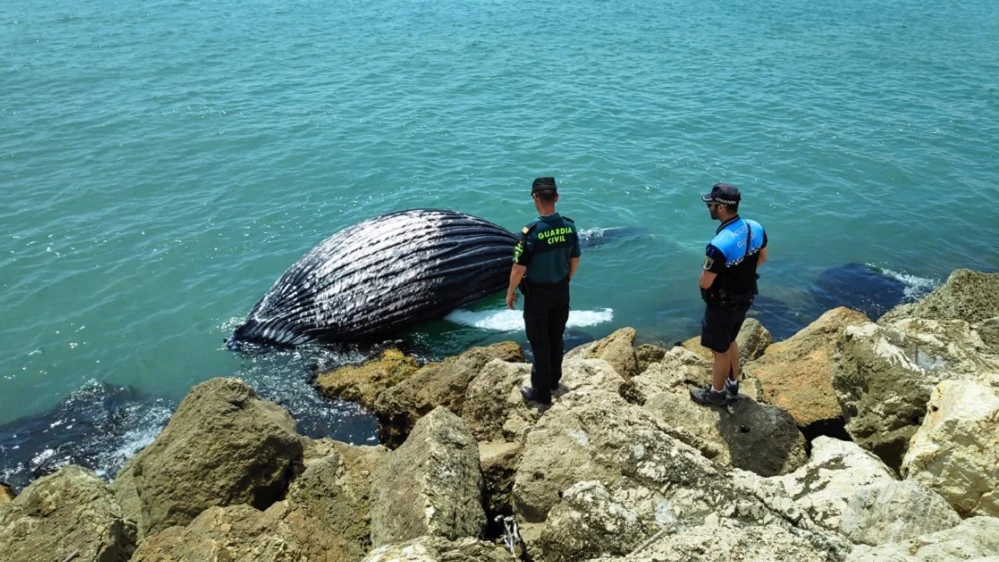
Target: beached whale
{"points": [[380, 277]]}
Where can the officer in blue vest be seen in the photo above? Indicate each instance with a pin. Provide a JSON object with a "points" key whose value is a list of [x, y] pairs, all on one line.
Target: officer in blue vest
{"points": [[728, 286], [544, 260]]}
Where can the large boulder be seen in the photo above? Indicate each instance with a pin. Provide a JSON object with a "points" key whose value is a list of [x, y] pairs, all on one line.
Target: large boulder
{"points": [[496, 411], [494, 408], [363, 383], [956, 451], [431, 485], [822, 488], [757, 437], [437, 549], [223, 446], [729, 540], [335, 492], [883, 376], [598, 476], [67, 515], [796, 374], [967, 295], [891, 511], [436, 384], [243, 533], [753, 340], [618, 349], [973, 539], [988, 330]]}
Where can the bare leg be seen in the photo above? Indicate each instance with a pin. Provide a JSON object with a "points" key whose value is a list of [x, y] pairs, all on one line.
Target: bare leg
{"points": [[720, 370], [733, 359]]}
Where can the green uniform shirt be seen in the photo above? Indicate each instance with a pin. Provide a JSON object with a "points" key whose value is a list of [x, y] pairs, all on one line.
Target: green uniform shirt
{"points": [[545, 247]]}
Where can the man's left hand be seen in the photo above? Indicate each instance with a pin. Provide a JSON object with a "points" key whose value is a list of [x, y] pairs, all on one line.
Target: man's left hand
{"points": [[511, 299]]}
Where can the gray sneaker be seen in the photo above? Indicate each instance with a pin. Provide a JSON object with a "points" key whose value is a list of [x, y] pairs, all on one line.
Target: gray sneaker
{"points": [[732, 389], [709, 396]]}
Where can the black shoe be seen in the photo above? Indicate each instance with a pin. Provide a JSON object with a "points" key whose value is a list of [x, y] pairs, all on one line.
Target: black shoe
{"points": [[556, 387], [709, 396], [532, 395], [732, 389]]}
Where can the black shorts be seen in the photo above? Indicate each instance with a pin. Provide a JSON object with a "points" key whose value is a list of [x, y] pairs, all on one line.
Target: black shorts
{"points": [[720, 326]]}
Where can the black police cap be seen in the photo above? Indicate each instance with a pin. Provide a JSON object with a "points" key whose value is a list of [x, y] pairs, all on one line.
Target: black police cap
{"points": [[723, 193]]}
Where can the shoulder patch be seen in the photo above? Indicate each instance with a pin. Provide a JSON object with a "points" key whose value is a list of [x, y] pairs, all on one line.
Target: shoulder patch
{"points": [[527, 230], [708, 262]]}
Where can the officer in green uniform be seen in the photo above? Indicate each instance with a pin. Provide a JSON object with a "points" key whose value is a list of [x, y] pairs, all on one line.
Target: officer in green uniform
{"points": [[544, 260]]}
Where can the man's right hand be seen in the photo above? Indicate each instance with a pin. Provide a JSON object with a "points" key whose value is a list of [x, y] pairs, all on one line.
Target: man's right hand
{"points": [[511, 299]]}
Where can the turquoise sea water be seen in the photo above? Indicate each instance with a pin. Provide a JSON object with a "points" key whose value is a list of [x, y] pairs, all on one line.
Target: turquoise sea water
{"points": [[162, 163]]}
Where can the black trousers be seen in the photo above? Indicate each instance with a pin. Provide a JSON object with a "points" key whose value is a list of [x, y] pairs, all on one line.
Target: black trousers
{"points": [[546, 310]]}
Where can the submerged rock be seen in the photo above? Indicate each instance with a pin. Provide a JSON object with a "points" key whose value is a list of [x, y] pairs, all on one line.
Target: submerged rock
{"points": [[363, 383], [67, 515]]}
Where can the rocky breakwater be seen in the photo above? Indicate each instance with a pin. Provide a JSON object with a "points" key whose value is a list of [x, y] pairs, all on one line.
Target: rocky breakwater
{"points": [[621, 468]]}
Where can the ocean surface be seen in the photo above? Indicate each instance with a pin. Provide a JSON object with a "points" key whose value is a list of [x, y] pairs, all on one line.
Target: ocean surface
{"points": [[162, 163]]}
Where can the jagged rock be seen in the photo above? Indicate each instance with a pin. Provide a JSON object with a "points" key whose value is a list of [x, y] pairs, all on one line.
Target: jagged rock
{"points": [[6, 493], [822, 488], [431, 485], [647, 354], [588, 522], [618, 349], [223, 446], [967, 295], [731, 540], [363, 383], [494, 409], [753, 340], [988, 330], [642, 467], [436, 549], [676, 372], [125, 493], [243, 533], [435, 384], [956, 451], [883, 376], [973, 539], [70, 514], [892, 511], [796, 374], [335, 493], [498, 462], [757, 437]]}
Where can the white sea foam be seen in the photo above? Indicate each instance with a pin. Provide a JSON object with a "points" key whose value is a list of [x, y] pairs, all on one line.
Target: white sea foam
{"points": [[506, 320], [915, 287]]}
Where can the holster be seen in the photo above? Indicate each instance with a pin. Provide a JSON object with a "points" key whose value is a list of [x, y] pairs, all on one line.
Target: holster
{"points": [[722, 298]]}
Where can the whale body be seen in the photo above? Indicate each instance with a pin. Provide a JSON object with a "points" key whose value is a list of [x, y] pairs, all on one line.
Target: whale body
{"points": [[380, 277]]}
